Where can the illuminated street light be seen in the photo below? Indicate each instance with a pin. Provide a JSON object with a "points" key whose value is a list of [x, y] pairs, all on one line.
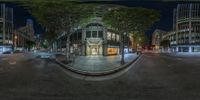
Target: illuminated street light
{"points": [[15, 41], [16, 37]]}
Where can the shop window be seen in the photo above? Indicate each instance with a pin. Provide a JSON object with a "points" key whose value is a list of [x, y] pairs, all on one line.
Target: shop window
{"points": [[112, 51], [195, 49], [183, 49]]}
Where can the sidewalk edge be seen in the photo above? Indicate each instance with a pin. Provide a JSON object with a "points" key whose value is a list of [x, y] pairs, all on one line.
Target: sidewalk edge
{"points": [[85, 73]]}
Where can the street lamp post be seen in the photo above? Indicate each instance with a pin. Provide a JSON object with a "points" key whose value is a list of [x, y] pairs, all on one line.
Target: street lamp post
{"points": [[138, 45], [15, 39]]}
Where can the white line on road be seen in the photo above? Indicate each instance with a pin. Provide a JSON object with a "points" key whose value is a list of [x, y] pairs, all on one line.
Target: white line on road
{"points": [[12, 62], [4, 59], [178, 58]]}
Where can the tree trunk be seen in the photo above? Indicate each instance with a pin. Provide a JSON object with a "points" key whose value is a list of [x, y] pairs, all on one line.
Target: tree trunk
{"points": [[68, 49], [122, 48]]}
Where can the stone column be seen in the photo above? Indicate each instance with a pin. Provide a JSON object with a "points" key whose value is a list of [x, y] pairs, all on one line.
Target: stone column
{"points": [[83, 43], [176, 48], [190, 49], [4, 25], [105, 45], [190, 26], [18, 37], [177, 15]]}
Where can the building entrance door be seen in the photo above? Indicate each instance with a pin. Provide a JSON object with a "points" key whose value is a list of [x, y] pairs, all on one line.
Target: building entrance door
{"points": [[94, 50]]}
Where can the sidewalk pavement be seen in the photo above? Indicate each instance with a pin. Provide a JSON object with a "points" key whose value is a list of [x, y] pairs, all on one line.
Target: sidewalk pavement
{"points": [[196, 55], [97, 65]]}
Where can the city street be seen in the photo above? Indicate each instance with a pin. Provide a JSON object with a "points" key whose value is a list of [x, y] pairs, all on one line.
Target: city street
{"points": [[153, 77], [99, 50]]}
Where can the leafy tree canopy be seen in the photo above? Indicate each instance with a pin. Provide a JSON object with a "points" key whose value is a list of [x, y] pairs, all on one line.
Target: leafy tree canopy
{"points": [[131, 19], [58, 16]]}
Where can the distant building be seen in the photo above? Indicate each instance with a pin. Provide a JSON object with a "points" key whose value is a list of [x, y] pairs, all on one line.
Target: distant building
{"points": [[185, 37], [38, 41], [157, 38], [23, 35], [6, 28], [6, 24]]}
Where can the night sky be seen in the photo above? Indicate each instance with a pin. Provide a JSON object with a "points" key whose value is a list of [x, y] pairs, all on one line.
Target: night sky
{"points": [[165, 8]]}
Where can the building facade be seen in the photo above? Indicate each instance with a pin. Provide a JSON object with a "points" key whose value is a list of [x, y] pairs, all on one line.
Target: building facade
{"points": [[157, 38], [94, 38], [23, 36], [185, 36], [6, 24], [6, 29]]}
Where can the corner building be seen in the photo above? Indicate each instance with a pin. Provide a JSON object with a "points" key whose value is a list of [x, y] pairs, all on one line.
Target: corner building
{"points": [[186, 28], [94, 38]]}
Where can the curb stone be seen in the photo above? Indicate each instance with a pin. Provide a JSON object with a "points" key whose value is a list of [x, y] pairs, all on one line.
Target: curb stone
{"points": [[103, 73]]}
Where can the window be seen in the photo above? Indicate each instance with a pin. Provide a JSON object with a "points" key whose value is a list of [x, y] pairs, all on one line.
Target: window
{"points": [[112, 51], [183, 49], [94, 34], [1, 49], [88, 34], [117, 37], [100, 34], [1, 28], [113, 36], [195, 49], [108, 35]]}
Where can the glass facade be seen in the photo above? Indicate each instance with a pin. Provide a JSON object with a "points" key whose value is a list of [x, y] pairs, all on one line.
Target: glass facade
{"points": [[183, 49], [195, 49], [112, 51]]}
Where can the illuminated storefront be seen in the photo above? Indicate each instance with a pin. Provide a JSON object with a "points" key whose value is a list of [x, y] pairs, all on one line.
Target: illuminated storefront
{"points": [[6, 48], [96, 40], [113, 51]]}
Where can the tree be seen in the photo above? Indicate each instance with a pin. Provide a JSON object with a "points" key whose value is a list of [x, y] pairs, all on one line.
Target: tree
{"points": [[140, 39], [30, 44], [135, 20], [165, 43], [58, 17]]}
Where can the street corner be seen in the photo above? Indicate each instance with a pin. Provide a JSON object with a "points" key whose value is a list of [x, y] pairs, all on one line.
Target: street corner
{"points": [[95, 72]]}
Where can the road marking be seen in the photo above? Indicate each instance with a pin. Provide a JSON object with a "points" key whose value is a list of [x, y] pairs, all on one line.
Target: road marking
{"points": [[169, 65], [179, 58], [12, 63], [4, 58]]}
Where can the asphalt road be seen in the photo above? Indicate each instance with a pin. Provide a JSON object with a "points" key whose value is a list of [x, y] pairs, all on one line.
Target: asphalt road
{"points": [[154, 77]]}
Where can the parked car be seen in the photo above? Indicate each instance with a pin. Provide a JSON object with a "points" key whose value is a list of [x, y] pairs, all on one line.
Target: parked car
{"points": [[44, 54], [7, 52], [17, 51]]}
